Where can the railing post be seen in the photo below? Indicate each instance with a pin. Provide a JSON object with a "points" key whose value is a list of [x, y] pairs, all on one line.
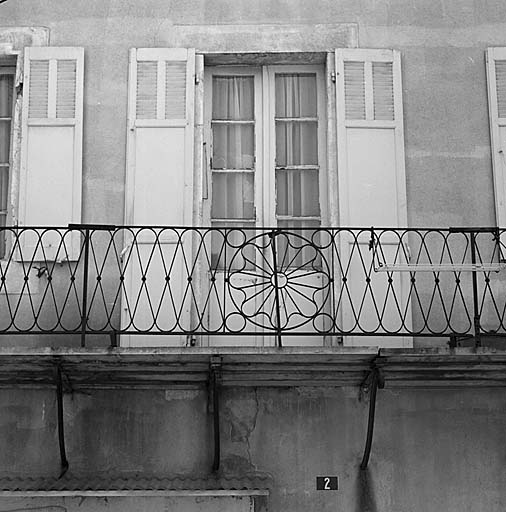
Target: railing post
{"points": [[276, 288], [86, 229], [84, 312], [477, 326]]}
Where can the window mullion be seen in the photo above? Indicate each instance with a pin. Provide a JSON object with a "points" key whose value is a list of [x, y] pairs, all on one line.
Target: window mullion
{"points": [[269, 160]]}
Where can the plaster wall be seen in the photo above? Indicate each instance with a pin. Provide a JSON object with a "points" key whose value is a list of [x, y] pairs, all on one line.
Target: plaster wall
{"points": [[433, 450], [448, 163]]}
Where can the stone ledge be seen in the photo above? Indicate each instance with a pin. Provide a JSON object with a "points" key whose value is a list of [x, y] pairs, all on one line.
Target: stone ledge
{"points": [[146, 368]]}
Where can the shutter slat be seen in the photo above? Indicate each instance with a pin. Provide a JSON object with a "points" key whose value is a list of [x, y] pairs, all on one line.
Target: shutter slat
{"points": [[354, 90], [383, 90], [175, 90], [66, 88], [500, 84], [146, 90], [39, 83]]}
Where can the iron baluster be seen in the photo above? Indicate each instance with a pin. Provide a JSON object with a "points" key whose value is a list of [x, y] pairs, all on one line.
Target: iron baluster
{"points": [[477, 327], [276, 287], [84, 312]]}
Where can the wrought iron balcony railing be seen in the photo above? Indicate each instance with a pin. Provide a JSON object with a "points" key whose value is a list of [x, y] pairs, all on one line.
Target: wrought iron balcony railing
{"points": [[239, 282]]}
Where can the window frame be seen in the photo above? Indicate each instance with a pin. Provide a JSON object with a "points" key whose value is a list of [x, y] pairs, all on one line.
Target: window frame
{"points": [[270, 194], [265, 142], [9, 68], [254, 71]]}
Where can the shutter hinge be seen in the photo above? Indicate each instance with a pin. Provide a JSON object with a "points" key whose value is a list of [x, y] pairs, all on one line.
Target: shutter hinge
{"points": [[197, 79], [333, 76]]}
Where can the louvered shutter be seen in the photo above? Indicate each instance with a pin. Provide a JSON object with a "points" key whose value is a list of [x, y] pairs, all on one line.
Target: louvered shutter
{"points": [[51, 151], [370, 137], [496, 75], [159, 188], [372, 187]]}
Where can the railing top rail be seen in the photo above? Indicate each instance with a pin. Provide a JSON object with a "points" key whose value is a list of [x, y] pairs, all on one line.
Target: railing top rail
{"points": [[114, 227]]}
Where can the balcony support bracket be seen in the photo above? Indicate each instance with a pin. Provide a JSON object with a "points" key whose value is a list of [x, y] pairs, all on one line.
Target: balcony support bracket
{"points": [[61, 432], [214, 405], [373, 381]]}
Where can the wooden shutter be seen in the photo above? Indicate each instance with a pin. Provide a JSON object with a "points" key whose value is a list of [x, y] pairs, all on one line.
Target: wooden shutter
{"points": [[496, 77], [371, 175], [159, 188], [51, 151], [160, 154]]}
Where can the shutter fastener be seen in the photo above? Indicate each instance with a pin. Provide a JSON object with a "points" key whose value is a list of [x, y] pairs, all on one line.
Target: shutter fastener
{"points": [[333, 76]]}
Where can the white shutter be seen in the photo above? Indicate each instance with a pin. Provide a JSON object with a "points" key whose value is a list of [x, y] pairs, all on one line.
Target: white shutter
{"points": [[372, 185], [51, 151], [160, 142], [496, 75], [159, 188]]}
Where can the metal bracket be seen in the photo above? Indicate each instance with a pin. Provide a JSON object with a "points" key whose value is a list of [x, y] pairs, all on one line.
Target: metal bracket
{"points": [[373, 381], [214, 391], [61, 433]]}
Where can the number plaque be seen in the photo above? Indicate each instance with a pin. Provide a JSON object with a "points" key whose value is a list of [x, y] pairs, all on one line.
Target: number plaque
{"points": [[327, 483]]}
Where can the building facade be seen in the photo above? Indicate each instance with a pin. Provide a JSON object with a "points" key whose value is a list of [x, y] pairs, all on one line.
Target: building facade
{"points": [[244, 245]]}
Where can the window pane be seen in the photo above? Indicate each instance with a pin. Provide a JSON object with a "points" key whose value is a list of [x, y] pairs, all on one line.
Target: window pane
{"points": [[296, 95], [233, 146], [297, 193], [5, 137], [6, 85], [233, 98], [233, 196], [4, 183], [296, 143]]}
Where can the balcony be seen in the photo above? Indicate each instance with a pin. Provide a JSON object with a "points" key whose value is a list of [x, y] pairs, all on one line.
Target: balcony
{"points": [[107, 307], [165, 286]]}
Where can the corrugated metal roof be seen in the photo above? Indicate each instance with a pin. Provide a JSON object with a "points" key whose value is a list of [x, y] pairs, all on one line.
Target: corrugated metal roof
{"points": [[99, 483]]}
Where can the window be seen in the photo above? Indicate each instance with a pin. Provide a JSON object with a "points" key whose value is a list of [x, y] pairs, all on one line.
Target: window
{"points": [[266, 132], [264, 142], [7, 72]]}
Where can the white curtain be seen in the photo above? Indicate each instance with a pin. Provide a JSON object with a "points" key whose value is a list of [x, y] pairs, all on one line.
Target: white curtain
{"points": [[233, 147], [296, 144]]}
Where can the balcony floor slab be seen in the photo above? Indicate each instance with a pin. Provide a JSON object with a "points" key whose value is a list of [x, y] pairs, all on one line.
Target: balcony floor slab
{"points": [[141, 368]]}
